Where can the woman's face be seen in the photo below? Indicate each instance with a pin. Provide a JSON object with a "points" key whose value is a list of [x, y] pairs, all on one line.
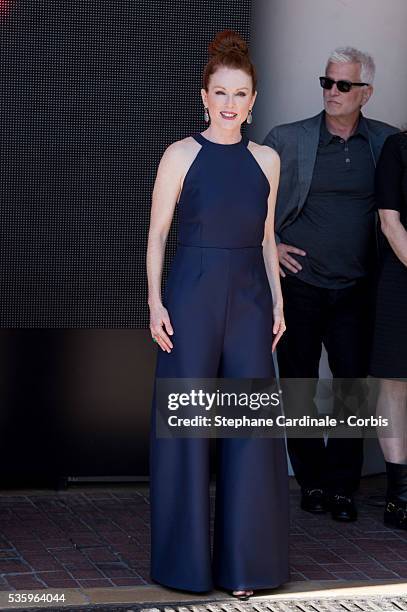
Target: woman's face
{"points": [[229, 97]]}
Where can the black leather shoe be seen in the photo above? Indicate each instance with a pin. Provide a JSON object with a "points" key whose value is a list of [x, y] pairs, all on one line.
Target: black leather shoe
{"points": [[313, 500], [395, 514], [343, 508]]}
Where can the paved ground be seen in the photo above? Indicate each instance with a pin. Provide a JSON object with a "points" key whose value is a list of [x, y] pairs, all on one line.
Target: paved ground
{"points": [[99, 537]]}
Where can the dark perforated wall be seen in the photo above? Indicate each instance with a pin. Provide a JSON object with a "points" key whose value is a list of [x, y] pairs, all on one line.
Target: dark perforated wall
{"points": [[91, 92]]}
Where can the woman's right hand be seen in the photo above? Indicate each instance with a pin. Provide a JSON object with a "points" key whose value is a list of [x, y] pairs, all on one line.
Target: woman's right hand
{"points": [[160, 319]]}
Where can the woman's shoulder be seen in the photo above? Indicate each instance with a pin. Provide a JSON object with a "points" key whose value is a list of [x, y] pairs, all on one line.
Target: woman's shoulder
{"points": [[264, 150], [179, 147], [180, 151], [268, 155]]}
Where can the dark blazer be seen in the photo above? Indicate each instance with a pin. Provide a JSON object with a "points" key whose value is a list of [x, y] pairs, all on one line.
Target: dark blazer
{"points": [[297, 145]]}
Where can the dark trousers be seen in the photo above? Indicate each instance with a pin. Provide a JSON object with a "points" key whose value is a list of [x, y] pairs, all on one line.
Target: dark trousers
{"points": [[342, 321], [222, 328]]}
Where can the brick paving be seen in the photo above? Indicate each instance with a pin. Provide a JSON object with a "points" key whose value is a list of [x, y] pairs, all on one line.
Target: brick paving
{"points": [[85, 538]]}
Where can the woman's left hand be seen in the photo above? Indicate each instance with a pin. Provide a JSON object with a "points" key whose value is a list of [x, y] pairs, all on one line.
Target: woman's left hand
{"points": [[278, 326]]}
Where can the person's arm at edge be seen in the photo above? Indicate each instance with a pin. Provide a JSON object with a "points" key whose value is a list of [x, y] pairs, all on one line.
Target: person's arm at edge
{"points": [[395, 232], [389, 195]]}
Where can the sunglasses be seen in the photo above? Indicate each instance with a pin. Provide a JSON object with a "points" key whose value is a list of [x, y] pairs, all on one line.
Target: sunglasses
{"points": [[343, 86]]}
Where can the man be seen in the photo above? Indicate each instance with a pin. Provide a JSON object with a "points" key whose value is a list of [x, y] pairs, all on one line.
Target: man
{"points": [[325, 226]]}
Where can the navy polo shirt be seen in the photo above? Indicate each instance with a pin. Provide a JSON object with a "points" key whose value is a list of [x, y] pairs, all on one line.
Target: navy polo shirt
{"points": [[336, 226]]}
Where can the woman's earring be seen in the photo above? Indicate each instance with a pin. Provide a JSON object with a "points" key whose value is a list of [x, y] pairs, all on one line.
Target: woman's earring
{"points": [[249, 116], [206, 115]]}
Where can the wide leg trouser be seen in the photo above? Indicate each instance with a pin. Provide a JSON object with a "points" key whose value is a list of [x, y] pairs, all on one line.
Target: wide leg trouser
{"points": [[222, 323]]}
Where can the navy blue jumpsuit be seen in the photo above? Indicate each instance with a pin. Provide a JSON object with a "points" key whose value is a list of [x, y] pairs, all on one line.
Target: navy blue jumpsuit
{"points": [[220, 306]]}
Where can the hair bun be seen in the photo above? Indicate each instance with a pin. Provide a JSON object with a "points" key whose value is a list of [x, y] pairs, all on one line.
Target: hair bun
{"points": [[226, 42]]}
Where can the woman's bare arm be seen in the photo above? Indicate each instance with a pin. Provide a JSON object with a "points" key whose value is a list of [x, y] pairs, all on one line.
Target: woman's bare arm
{"points": [[168, 184], [269, 161]]}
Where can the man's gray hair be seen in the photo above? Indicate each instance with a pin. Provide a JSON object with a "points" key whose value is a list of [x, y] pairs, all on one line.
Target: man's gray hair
{"points": [[354, 56]]}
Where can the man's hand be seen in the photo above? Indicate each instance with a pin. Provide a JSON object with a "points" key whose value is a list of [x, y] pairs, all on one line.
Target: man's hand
{"points": [[286, 260]]}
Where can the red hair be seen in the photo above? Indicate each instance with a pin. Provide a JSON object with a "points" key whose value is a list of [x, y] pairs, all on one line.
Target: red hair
{"points": [[229, 49]]}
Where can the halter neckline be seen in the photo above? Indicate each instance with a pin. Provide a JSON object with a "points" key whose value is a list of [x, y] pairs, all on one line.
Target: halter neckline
{"points": [[202, 140]]}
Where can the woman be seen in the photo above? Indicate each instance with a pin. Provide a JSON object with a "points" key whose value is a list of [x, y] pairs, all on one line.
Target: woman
{"points": [[389, 358], [222, 315]]}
